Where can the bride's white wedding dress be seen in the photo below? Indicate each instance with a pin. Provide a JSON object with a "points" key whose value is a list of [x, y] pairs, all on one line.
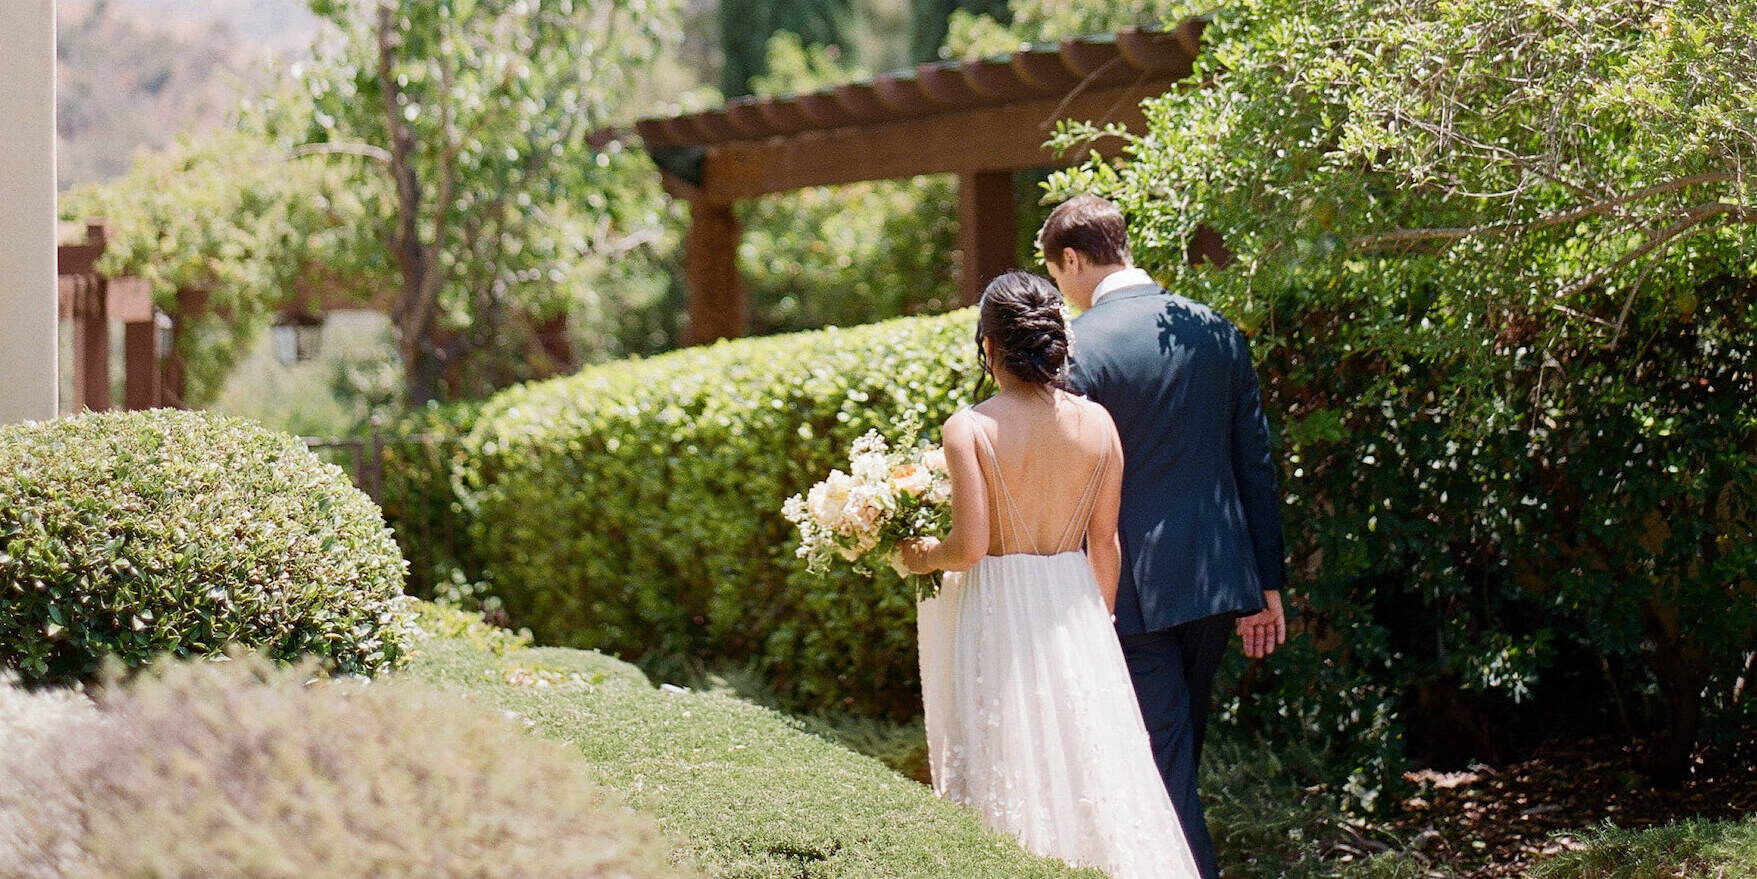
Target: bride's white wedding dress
{"points": [[1031, 717]]}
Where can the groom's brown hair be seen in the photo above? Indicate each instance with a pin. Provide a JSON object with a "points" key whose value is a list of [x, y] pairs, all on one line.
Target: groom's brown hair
{"points": [[1092, 225]]}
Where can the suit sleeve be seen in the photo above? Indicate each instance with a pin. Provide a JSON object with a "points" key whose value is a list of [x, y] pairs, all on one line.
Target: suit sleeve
{"points": [[1258, 479]]}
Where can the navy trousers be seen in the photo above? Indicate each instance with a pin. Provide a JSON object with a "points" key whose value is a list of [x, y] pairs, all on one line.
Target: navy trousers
{"points": [[1173, 670]]}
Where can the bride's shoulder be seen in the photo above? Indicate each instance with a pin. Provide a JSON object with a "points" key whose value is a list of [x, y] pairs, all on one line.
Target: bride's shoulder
{"points": [[960, 426], [1092, 412], [1088, 406]]}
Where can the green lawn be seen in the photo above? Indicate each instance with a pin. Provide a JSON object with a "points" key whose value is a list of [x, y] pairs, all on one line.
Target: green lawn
{"points": [[754, 794]]}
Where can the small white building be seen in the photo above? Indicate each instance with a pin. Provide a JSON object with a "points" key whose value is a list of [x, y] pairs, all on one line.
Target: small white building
{"points": [[27, 211]]}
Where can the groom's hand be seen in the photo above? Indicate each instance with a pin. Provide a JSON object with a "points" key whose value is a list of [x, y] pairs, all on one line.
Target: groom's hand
{"points": [[1265, 630]]}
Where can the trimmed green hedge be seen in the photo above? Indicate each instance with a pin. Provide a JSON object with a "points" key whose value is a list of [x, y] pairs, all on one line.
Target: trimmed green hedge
{"points": [[131, 534], [423, 451], [635, 507]]}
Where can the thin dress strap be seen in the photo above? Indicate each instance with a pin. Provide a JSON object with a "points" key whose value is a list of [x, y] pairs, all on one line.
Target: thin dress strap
{"points": [[1083, 510], [1011, 511]]}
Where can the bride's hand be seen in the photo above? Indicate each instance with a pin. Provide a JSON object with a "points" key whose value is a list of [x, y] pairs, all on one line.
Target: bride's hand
{"points": [[914, 553]]}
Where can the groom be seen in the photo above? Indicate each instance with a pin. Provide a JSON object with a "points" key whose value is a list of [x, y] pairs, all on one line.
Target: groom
{"points": [[1200, 520]]}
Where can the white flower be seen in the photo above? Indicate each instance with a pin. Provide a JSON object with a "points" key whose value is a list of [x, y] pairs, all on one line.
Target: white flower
{"points": [[828, 498], [935, 460], [864, 509], [895, 557], [872, 443], [941, 492], [871, 467]]}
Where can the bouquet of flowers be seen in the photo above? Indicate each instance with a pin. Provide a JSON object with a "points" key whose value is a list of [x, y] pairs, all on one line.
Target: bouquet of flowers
{"points": [[889, 495]]}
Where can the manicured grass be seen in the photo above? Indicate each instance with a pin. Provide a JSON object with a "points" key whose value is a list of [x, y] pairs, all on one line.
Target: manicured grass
{"points": [[755, 795], [1717, 849]]}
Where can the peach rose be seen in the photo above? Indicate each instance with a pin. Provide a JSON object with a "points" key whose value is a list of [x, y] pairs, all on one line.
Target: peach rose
{"points": [[911, 479]]}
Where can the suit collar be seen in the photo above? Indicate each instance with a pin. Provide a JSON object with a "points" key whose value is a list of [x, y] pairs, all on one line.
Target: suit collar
{"points": [[1134, 291], [1121, 279]]}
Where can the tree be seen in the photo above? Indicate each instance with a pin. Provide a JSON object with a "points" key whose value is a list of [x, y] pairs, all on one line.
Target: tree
{"points": [[1500, 259], [747, 25], [930, 18], [233, 216], [980, 29], [480, 119]]}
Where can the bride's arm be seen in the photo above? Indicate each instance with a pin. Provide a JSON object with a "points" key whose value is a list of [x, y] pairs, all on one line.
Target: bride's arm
{"points": [[1103, 546], [967, 542]]}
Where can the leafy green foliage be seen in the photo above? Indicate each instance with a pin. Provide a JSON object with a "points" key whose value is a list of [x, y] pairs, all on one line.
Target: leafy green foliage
{"points": [[976, 32], [243, 769], [748, 26], [476, 119], [752, 794], [127, 535], [932, 19], [849, 254], [1497, 258], [635, 507], [237, 217], [1726, 850], [423, 452]]}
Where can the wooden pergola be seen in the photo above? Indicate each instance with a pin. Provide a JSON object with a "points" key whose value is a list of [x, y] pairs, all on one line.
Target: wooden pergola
{"points": [[981, 120], [91, 301]]}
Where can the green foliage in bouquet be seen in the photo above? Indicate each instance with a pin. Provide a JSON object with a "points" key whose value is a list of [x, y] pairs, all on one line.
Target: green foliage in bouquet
{"points": [[636, 507], [131, 534]]}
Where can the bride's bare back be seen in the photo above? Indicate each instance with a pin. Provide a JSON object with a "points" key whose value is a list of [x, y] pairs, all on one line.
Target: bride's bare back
{"points": [[1053, 452]]}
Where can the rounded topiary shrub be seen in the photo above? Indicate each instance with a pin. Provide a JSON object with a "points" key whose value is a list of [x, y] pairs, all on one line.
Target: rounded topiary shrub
{"points": [[132, 534], [242, 769]]}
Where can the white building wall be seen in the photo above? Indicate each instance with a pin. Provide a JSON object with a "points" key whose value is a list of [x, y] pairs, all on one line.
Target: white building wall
{"points": [[27, 210]]}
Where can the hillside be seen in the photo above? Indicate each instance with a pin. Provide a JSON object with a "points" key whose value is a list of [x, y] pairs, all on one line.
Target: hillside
{"points": [[134, 74]]}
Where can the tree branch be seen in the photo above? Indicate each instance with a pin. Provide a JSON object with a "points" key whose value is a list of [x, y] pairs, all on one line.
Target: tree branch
{"points": [[1690, 224], [1405, 236], [364, 150]]}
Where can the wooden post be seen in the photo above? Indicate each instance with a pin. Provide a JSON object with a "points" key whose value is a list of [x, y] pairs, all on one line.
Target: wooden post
{"points": [[91, 348], [172, 379], [718, 308], [130, 301], [986, 232]]}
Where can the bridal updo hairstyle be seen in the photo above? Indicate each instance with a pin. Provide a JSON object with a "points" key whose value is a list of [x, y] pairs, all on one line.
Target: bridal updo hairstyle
{"points": [[1023, 314]]}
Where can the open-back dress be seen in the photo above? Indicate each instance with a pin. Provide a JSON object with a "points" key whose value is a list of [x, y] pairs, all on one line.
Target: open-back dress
{"points": [[1031, 716]]}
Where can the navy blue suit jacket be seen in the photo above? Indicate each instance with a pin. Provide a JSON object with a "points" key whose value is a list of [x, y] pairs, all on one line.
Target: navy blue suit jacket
{"points": [[1201, 506]]}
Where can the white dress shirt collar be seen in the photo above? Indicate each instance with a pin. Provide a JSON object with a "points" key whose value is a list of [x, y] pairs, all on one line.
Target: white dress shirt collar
{"points": [[1117, 280]]}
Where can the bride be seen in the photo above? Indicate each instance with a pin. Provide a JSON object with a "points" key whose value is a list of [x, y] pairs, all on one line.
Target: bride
{"points": [[1031, 717]]}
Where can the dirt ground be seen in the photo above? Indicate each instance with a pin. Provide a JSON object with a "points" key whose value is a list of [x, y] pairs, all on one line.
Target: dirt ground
{"points": [[1494, 822]]}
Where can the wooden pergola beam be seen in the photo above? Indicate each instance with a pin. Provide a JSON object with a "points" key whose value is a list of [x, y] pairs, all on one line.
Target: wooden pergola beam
{"points": [[717, 301], [1007, 137], [982, 120]]}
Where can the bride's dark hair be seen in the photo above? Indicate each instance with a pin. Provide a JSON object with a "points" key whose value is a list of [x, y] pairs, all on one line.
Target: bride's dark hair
{"points": [[1023, 314]]}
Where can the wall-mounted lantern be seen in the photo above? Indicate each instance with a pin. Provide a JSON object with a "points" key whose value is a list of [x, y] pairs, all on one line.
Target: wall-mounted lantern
{"points": [[298, 338]]}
